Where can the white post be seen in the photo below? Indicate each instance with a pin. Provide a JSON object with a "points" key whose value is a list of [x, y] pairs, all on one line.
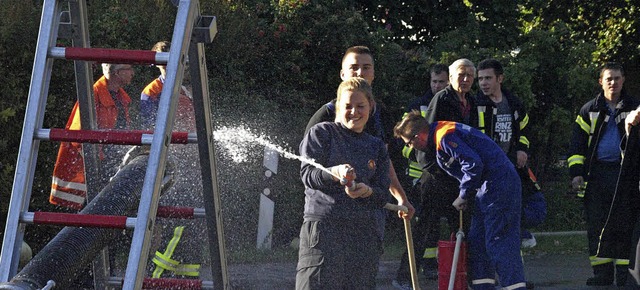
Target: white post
{"points": [[265, 217]]}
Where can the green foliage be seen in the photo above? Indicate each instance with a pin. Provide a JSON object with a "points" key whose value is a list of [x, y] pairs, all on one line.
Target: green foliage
{"points": [[273, 63], [559, 245], [18, 22], [611, 26], [414, 24]]}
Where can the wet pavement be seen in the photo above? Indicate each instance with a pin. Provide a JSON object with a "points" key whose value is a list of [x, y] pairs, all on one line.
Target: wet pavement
{"points": [[567, 272]]}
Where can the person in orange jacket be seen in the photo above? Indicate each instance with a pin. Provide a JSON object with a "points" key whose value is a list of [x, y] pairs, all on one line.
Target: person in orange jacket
{"points": [[150, 98], [68, 186]]}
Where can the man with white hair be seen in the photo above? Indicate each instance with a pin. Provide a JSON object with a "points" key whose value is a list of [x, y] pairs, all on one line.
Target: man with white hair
{"points": [[68, 187], [439, 190]]}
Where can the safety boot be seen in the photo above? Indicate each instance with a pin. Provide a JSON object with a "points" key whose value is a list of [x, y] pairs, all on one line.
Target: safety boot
{"points": [[602, 275], [622, 271]]}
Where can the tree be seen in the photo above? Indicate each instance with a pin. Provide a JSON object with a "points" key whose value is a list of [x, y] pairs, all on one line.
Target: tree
{"points": [[612, 26]]}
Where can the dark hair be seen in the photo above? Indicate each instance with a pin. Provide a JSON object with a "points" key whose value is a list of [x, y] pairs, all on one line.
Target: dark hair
{"points": [[611, 66], [358, 49], [439, 68], [491, 63]]}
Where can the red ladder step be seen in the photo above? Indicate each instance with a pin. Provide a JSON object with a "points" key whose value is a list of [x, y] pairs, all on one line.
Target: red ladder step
{"points": [[109, 55], [120, 137], [106, 221]]}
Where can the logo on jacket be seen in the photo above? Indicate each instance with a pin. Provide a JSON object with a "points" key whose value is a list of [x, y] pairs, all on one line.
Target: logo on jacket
{"points": [[372, 164], [453, 144]]}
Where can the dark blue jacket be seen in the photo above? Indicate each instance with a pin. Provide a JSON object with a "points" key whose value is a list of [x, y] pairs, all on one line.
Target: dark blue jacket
{"points": [[468, 155], [330, 144]]}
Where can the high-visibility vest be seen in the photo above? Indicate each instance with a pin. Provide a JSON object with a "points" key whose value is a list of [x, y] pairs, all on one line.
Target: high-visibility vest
{"points": [[68, 185], [414, 170], [164, 261]]}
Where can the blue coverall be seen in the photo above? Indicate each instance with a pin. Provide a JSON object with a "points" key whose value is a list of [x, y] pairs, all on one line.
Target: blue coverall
{"points": [[489, 182]]}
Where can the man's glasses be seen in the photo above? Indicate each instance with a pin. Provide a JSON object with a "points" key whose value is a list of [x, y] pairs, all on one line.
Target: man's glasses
{"points": [[410, 142]]}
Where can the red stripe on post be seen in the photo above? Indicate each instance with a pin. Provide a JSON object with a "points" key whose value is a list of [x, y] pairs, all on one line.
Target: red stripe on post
{"points": [[106, 55], [171, 283], [175, 212], [80, 220]]}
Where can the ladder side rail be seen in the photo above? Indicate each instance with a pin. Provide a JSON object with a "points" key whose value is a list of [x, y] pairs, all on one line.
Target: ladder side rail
{"points": [[28, 151], [147, 209], [206, 150]]}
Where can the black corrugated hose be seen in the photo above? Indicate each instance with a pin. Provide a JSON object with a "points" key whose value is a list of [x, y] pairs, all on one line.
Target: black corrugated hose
{"points": [[73, 249]]}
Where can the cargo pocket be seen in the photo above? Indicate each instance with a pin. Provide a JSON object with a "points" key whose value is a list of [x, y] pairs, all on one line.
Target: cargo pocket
{"points": [[310, 253]]}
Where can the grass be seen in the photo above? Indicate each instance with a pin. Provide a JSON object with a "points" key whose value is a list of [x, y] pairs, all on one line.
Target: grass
{"points": [[546, 245], [256, 256], [559, 245], [396, 245]]}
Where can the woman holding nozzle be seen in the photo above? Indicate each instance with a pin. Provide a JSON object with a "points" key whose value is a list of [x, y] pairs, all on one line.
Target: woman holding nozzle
{"points": [[339, 244]]}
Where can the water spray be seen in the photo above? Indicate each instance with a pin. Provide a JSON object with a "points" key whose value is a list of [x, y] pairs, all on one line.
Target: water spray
{"points": [[230, 137]]}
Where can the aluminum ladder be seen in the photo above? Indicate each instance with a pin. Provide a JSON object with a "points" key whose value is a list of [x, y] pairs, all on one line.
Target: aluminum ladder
{"points": [[191, 32]]}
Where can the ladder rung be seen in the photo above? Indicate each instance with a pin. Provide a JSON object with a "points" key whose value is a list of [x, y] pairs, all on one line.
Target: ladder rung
{"points": [[166, 283], [106, 221], [180, 212], [110, 55], [120, 137], [78, 220]]}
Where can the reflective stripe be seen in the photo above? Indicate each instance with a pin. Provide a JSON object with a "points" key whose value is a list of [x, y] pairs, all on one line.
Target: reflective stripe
{"points": [[599, 261], [481, 125], [163, 261], [524, 141], [581, 191], [593, 116], [192, 270], [622, 262], [414, 172], [70, 197], [524, 122], [575, 159], [483, 281], [583, 125], [621, 117], [516, 286], [406, 151], [68, 184], [430, 253]]}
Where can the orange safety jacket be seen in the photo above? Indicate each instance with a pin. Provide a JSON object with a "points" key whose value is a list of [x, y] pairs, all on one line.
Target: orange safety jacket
{"points": [[68, 186]]}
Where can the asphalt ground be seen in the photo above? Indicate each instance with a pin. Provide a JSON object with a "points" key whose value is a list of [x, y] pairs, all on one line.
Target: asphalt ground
{"points": [[545, 271]]}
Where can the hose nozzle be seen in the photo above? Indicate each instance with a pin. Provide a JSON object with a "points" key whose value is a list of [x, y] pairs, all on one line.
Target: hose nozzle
{"points": [[347, 180]]}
